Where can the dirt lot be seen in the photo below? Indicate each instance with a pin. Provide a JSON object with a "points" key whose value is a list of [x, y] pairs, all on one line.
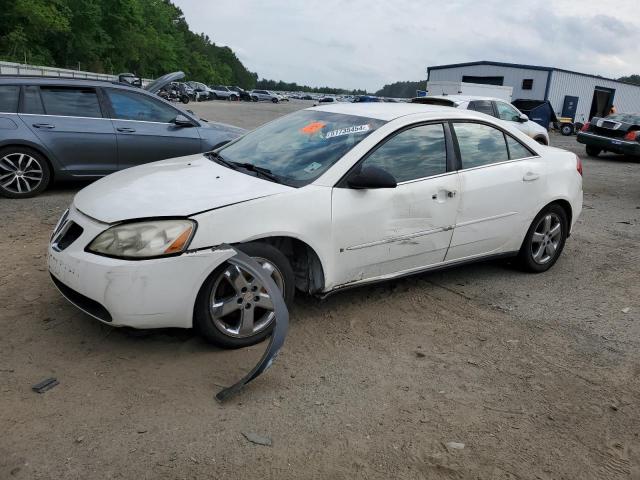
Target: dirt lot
{"points": [[538, 375]]}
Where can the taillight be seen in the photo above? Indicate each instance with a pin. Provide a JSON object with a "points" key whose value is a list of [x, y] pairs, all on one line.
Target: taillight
{"points": [[579, 164], [585, 127], [632, 136]]}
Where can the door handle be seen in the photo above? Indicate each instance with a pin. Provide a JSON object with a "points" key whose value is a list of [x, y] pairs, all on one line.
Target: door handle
{"points": [[530, 177], [126, 129], [44, 125]]}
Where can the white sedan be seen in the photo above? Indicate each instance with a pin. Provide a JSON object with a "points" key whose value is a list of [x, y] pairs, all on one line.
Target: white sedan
{"points": [[491, 106], [324, 199]]}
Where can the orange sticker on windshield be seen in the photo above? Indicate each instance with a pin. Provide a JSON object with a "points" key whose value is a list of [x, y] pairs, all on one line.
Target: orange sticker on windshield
{"points": [[312, 128]]}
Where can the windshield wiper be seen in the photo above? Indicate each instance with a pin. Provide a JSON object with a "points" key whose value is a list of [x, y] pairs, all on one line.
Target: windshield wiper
{"points": [[216, 157], [265, 172]]}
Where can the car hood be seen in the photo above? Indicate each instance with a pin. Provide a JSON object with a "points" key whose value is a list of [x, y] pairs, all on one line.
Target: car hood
{"points": [[159, 83], [177, 187]]}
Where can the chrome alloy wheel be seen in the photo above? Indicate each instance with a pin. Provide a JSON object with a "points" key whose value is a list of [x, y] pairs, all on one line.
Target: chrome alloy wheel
{"points": [[546, 238], [20, 173], [240, 305]]}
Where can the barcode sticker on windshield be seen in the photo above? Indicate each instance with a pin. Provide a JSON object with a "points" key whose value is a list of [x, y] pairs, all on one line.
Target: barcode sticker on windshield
{"points": [[347, 131]]}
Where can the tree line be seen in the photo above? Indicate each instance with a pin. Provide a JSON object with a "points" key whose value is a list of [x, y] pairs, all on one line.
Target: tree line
{"points": [[146, 37], [294, 87], [402, 89]]}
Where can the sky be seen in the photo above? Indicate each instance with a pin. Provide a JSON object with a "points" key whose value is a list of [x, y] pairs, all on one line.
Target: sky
{"points": [[369, 43]]}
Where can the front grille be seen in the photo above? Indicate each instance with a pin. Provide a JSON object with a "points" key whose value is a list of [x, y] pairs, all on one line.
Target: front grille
{"points": [[69, 234], [83, 303], [607, 132]]}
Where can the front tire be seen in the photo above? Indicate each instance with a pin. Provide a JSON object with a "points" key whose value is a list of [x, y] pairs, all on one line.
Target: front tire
{"points": [[593, 151], [274, 100], [233, 309], [545, 240], [24, 172]]}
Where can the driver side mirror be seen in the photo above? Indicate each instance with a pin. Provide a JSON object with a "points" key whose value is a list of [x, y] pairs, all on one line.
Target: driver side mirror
{"points": [[371, 177], [182, 121], [523, 118]]}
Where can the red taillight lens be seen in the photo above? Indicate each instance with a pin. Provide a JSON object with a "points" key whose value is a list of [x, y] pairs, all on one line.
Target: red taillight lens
{"points": [[579, 165], [631, 136], [585, 127]]}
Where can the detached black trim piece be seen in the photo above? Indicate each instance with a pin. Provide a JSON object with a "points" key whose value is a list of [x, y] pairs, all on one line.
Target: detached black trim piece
{"points": [[83, 303], [281, 321], [44, 385]]}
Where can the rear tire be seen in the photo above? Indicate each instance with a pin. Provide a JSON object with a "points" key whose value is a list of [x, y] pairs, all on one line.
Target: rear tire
{"points": [[567, 129], [593, 151], [32, 172], [274, 100], [545, 240], [217, 290]]}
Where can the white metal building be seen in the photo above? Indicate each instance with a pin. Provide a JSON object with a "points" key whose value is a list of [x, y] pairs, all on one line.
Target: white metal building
{"points": [[572, 94]]}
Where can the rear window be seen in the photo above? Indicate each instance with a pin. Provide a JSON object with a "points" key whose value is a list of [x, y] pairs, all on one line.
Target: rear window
{"points": [[71, 102], [625, 117], [434, 101], [9, 98]]}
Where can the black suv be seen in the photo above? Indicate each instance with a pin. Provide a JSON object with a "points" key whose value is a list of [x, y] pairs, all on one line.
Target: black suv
{"points": [[60, 129]]}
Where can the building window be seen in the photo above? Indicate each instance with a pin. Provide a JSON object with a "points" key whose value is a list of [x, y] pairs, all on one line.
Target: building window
{"points": [[527, 84], [483, 80]]}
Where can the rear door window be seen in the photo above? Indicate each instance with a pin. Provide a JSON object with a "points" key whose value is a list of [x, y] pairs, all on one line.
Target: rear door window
{"points": [[70, 101], [482, 106], [516, 149], [9, 98], [480, 144], [134, 106], [31, 101]]}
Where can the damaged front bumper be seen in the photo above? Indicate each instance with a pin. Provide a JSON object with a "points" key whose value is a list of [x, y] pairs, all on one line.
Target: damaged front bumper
{"points": [[152, 293]]}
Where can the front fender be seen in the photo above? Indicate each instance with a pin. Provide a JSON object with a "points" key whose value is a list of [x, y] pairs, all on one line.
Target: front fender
{"points": [[303, 214]]}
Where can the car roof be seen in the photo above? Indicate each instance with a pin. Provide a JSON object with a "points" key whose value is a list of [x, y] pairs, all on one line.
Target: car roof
{"points": [[391, 111], [42, 80], [463, 98]]}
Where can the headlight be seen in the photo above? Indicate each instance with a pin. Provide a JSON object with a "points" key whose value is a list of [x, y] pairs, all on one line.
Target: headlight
{"points": [[144, 239]]}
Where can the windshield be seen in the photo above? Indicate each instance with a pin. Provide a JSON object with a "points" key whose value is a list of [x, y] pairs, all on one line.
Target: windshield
{"points": [[301, 146], [625, 117]]}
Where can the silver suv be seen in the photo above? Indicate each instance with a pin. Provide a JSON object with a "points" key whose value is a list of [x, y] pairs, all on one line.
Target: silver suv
{"points": [[264, 96], [224, 93]]}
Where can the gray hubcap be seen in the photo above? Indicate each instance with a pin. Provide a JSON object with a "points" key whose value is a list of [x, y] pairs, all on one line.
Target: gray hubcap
{"points": [[20, 173], [546, 238], [240, 305]]}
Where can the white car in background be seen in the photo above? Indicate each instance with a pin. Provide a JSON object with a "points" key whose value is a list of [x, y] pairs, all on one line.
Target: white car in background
{"points": [[265, 96], [491, 106], [324, 199], [224, 93]]}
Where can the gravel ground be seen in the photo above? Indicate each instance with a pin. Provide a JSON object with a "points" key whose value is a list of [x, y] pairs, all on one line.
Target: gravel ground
{"points": [[537, 375]]}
